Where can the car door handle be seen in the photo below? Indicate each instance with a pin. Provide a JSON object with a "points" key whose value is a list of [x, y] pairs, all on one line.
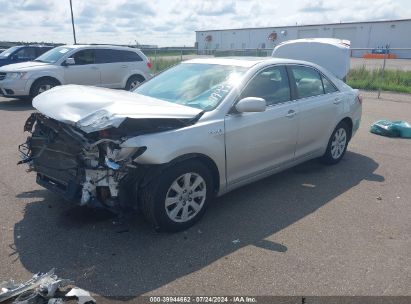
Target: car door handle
{"points": [[94, 68], [124, 66], [291, 114], [337, 100]]}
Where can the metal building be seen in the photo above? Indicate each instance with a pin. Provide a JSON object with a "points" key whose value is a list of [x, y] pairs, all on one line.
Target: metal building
{"points": [[368, 34]]}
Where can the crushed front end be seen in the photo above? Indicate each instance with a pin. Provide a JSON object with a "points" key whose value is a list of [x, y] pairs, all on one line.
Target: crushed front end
{"points": [[88, 168]]}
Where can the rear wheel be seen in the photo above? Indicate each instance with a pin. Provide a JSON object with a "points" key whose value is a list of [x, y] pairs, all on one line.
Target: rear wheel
{"points": [[177, 198], [42, 85], [133, 82], [337, 144]]}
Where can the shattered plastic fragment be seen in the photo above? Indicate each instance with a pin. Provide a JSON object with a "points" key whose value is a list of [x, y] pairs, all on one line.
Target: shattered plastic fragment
{"points": [[82, 295], [39, 287]]}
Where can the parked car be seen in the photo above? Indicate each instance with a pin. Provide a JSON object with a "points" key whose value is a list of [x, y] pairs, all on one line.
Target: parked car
{"points": [[22, 53], [195, 131], [105, 66]]}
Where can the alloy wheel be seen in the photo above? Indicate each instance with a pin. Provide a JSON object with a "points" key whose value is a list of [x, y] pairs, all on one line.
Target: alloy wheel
{"points": [[185, 197]]}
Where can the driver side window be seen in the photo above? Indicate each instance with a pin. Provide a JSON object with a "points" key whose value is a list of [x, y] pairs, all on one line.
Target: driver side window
{"points": [[271, 84], [84, 57]]}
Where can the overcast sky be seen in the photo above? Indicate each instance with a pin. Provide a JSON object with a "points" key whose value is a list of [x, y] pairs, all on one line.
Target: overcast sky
{"points": [[173, 22]]}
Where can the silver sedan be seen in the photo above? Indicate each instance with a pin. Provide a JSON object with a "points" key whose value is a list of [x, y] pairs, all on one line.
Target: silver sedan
{"points": [[196, 131]]}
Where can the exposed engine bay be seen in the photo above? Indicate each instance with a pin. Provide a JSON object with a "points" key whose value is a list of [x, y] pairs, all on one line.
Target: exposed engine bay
{"points": [[90, 168]]}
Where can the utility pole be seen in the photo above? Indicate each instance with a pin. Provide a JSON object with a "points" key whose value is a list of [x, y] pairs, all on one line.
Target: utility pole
{"points": [[72, 23]]}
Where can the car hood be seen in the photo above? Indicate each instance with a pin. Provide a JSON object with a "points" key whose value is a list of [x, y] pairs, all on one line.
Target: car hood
{"points": [[22, 66], [92, 109]]}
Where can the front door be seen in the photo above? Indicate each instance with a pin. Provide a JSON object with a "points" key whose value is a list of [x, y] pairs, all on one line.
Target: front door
{"points": [[85, 71], [259, 142]]}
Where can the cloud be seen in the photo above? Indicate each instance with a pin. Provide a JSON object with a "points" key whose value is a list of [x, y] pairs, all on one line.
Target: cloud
{"points": [[33, 5], [316, 7]]}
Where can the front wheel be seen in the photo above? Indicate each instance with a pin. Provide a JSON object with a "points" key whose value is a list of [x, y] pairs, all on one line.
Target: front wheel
{"points": [[337, 144], [42, 85], [177, 198]]}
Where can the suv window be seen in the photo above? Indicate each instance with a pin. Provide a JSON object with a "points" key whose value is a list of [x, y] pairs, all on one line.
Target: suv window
{"points": [[308, 81], [84, 57], [270, 84], [128, 56], [26, 53], [329, 87], [41, 50], [111, 56]]}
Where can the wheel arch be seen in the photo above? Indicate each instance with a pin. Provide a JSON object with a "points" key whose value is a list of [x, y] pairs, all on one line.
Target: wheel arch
{"points": [[43, 78], [204, 159], [349, 122], [135, 73]]}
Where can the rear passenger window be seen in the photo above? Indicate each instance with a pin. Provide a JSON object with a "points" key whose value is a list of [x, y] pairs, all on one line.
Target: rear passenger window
{"points": [[308, 81], [329, 87], [84, 57], [112, 56], [127, 56], [270, 84]]}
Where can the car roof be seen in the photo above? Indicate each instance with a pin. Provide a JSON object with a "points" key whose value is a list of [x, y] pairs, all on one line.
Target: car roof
{"points": [[246, 61], [98, 46]]}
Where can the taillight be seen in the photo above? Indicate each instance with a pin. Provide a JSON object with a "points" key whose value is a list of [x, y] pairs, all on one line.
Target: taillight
{"points": [[149, 64]]}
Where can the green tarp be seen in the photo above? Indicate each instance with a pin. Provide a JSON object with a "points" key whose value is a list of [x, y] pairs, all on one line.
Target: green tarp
{"points": [[391, 128]]}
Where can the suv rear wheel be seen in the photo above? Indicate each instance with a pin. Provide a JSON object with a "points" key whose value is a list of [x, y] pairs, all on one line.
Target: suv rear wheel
{"points": [[177, 198], [133, 82]]}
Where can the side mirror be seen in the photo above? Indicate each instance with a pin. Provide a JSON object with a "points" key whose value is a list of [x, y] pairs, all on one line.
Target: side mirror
{"points": [[69, 61], [13, 57], [251, 104]]}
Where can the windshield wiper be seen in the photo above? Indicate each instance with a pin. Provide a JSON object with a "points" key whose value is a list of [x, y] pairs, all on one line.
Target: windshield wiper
{"points": [[38, 60]]}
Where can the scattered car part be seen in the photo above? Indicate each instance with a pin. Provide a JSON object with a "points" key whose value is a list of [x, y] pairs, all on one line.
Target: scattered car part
{"points": [[391, 128], [35, 291], [82, 295], [29, 297]]}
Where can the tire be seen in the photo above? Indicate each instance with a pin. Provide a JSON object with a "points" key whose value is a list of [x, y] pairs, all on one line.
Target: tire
{"points": [[184, 208], [337, 144], [133, 82], [42, 85]]}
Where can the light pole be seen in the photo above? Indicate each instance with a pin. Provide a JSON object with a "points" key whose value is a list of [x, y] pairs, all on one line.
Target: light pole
{"points": [[72, 23]]}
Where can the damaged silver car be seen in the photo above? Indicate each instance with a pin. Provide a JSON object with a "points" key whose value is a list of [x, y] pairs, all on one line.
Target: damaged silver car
{"points": [[197, 130]]}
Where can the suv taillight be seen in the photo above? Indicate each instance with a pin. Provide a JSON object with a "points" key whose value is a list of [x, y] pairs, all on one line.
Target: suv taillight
{"points": [[149, 64]]}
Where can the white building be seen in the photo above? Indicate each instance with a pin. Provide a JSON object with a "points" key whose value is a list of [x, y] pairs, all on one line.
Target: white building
{"points": [[369, 34]]}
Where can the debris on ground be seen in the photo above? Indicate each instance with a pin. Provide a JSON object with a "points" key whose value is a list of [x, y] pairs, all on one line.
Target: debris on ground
{"points": [[236, 241], [42, 289], [391, 128]]}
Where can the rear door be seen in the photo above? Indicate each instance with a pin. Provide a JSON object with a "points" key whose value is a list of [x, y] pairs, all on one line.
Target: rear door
{"points": [[259, 142], [85, 71], [319, 104]]}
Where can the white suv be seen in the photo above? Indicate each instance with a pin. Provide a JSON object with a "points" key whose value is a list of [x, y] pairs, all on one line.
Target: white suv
{"points": [[104, 66]]}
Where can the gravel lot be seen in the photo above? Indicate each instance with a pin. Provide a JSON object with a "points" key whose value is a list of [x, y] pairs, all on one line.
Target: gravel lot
{"points": [[311, 230]]}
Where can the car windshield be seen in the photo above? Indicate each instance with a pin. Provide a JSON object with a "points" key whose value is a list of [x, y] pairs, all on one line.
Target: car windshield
{"points": [[201, 86], [9, 51], [53, 55]]}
